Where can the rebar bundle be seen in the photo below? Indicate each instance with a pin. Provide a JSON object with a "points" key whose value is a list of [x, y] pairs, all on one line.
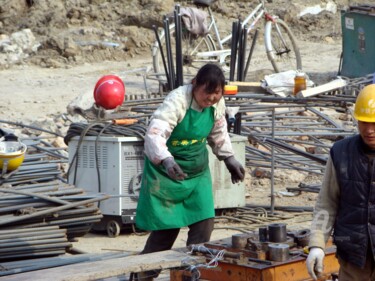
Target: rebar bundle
{"points": [[39, 212]]}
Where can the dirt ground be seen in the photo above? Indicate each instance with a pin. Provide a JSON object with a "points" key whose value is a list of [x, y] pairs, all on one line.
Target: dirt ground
{"points": [[72, 57]]}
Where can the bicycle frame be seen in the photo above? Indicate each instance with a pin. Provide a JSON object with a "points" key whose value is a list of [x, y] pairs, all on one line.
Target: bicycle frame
{"points": [[222, 53], [279, 42], [256, 14]]}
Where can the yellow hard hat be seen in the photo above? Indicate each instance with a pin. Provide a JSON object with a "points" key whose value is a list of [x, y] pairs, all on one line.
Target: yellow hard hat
{"points": [[364, 109], [12, 154]]}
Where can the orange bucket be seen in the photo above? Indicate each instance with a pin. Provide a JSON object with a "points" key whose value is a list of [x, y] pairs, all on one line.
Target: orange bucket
{"points": [[230, 89]]}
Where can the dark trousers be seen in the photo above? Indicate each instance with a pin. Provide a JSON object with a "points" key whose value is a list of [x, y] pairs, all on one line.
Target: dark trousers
{"points": [[161, 240]]}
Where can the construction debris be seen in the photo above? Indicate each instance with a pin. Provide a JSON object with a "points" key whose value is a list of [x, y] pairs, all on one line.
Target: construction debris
{"points": [[292, 133]]}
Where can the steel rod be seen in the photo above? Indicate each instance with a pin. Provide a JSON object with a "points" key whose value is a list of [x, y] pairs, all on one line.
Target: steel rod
{"points": [[52, 210]]}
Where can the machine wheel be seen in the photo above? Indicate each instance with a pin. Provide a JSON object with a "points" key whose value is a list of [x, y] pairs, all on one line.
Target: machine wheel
{"points": [[113, 228]]}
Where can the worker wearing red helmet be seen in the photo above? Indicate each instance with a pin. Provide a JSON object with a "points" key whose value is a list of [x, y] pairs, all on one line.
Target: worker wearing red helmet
{"points": [[176, 186], [347, 198]]}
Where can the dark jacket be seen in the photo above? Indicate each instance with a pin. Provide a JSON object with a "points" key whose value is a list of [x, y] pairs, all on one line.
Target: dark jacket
{"points": [[355, 221]]}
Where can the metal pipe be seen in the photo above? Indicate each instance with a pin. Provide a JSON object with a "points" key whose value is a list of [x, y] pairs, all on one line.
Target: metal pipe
{"points": [[179, 61], [244, 47], [32, 254], [239, 51], [32, 236], [169, 54], [161, 53], [10, 246], [38, 195], [53, 210], [273, 165], [20, 124], [233, 51], [26, 230], [43, 263], [251, 53]]}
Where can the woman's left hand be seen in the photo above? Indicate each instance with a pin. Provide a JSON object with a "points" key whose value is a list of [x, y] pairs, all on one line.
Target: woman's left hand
{"points": [[235, 168]]}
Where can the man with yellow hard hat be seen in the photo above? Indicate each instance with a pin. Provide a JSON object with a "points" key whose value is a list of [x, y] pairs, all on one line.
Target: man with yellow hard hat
{"points": [[346, 202]]}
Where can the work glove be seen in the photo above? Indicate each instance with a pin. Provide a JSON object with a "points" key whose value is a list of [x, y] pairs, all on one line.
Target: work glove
{"points": [[314, 262], [235, 169], [173, 169]]}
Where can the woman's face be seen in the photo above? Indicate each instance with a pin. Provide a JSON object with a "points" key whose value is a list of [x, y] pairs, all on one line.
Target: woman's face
{"points": [[205, 99]]}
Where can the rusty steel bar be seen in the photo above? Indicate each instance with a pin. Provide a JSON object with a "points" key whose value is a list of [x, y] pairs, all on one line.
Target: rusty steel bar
{"points": [[43, 263], [52, 210], [32, 236], [34, 254]]}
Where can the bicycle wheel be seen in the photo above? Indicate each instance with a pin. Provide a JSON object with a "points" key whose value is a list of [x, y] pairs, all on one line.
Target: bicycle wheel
{"points": [[281, 46], [191, 45]]}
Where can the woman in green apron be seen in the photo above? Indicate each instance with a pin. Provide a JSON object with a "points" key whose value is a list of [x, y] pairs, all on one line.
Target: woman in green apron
{"points": [[176, 186]]}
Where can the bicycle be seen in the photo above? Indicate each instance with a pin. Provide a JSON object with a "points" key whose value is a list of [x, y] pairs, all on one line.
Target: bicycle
{"points": [[280, 44]]}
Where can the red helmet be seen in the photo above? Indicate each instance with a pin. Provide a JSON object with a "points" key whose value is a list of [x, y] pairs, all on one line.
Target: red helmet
{"points": [[109, 92]]}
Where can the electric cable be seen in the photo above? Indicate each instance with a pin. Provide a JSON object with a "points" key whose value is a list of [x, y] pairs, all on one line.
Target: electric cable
{"points": [[97, 159], [98, 129]]}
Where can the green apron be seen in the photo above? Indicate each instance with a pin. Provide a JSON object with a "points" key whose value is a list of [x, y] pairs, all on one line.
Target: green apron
{"points": [[165, 203]]}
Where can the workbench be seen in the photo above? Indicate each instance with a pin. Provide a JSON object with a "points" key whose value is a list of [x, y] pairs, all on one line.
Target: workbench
{"points": [[242, 269]]}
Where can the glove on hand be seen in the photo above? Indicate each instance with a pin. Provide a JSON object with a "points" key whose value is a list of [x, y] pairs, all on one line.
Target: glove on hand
{"points": [[173, 169], [314, 262], [235, 168]]}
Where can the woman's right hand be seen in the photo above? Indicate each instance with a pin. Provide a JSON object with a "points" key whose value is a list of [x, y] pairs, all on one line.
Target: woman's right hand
{"points": [[173, 169], [314, 262]]}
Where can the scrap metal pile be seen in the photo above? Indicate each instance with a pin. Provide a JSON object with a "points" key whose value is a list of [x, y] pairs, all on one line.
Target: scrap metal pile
{"points": [[284, 132], [40, 213], [293, 132]]}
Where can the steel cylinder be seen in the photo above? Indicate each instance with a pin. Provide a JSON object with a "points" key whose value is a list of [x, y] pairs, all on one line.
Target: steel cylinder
{"points": [[239, 241], [278, 252], [302, 237], [277, 232], [263, 234]]}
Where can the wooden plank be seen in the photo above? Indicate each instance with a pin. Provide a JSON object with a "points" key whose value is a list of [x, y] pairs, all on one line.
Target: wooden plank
{"points": [[327, 87], [248, 86], [109, 268]]}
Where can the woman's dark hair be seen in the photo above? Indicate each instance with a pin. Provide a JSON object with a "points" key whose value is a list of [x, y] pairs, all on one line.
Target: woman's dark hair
{"points": [[210, 75]]}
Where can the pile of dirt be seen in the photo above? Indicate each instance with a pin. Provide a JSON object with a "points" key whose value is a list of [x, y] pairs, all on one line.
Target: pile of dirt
{"points": [[74, 32]]}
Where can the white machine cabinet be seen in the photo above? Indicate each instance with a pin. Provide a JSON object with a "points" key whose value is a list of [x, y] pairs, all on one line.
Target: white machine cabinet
{"points": [[118, 162], [226, 194]]}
